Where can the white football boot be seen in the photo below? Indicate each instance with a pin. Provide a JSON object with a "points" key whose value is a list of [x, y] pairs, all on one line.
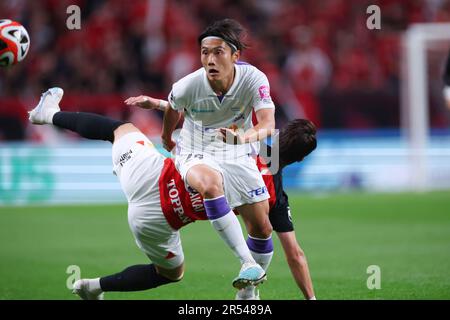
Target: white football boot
{"points": [[47, 106], [251, 274], [81, 288], [248, 293]]}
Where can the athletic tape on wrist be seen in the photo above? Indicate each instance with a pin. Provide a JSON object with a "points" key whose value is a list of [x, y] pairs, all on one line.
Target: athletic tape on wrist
{"points": [[162, 105]]}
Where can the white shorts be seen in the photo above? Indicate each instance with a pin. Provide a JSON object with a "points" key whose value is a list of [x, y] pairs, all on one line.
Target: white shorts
{"points": [[242, 181], [138, 165]]}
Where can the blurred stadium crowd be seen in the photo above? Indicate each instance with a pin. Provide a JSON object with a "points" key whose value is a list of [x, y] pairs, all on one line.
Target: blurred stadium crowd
{"points": [[322, 61]]}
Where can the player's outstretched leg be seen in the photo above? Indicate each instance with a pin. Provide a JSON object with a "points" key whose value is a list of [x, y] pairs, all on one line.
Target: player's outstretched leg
{"points": [[134, 278], [88, 125]]}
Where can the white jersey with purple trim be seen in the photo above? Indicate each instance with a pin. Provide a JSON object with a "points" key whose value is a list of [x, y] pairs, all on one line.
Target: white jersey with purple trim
{"points": [[205, 112]]}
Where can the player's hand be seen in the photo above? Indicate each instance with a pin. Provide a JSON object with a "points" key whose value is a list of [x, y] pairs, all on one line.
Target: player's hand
{"points": [[231, 136], [143, 102], [168, 143]]}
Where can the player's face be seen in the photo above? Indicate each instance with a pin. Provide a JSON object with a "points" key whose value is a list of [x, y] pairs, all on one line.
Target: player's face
{"points": [[218, 59]]}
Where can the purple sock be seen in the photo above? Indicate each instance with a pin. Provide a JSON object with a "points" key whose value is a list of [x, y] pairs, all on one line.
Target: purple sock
{"points": [[216, 208], [260, 245]]}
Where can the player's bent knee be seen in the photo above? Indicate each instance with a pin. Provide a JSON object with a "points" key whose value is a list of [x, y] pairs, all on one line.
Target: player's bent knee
{"points": [[123, 130], [260, 233], [267, 229], [261, 229], [212, 190], [174, 275], [208, 186]]}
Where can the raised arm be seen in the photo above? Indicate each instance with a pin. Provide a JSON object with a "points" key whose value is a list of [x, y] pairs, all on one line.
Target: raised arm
{"points": [[171, 116], [266, 123], [264, 129], [146, 102], [170, 121]]}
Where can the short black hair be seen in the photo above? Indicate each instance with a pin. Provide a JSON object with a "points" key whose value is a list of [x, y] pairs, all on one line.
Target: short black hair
{"points": [[229, 30], [296, 140]]}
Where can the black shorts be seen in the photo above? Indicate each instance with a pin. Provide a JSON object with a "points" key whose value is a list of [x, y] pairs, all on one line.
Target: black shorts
{"points": [[280, 218]]}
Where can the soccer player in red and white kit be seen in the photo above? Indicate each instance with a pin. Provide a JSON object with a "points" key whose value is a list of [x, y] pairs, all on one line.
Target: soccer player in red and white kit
{"points": [[159, 204]]}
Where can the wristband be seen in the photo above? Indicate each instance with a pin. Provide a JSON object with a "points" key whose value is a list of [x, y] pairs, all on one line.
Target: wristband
{"points": [[447, 92], [162, 105]]}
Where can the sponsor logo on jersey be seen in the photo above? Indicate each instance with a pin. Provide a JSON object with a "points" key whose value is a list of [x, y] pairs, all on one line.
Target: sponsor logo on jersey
{"points": [[264, 94], [125, 157], [196, 201], [257, 192], [201, 110], [174, 196]]}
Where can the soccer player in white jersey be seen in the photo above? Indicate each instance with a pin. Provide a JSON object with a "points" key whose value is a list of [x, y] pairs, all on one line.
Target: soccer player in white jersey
{"points": [[215, 99]]}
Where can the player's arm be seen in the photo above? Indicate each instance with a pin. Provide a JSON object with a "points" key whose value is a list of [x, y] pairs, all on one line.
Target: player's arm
{"points": [[264, 128], [170, 121], [146, 102], [171, 116], [264, 110]]}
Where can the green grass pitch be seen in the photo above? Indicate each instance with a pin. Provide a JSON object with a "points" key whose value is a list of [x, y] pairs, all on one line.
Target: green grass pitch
{"points": [[406, 235]]}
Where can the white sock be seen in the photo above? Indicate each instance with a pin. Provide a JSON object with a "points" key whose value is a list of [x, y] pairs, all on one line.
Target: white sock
{"points": [[230, 231], [312, 298], [263, 259], [94, 286], [49, 115]]}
